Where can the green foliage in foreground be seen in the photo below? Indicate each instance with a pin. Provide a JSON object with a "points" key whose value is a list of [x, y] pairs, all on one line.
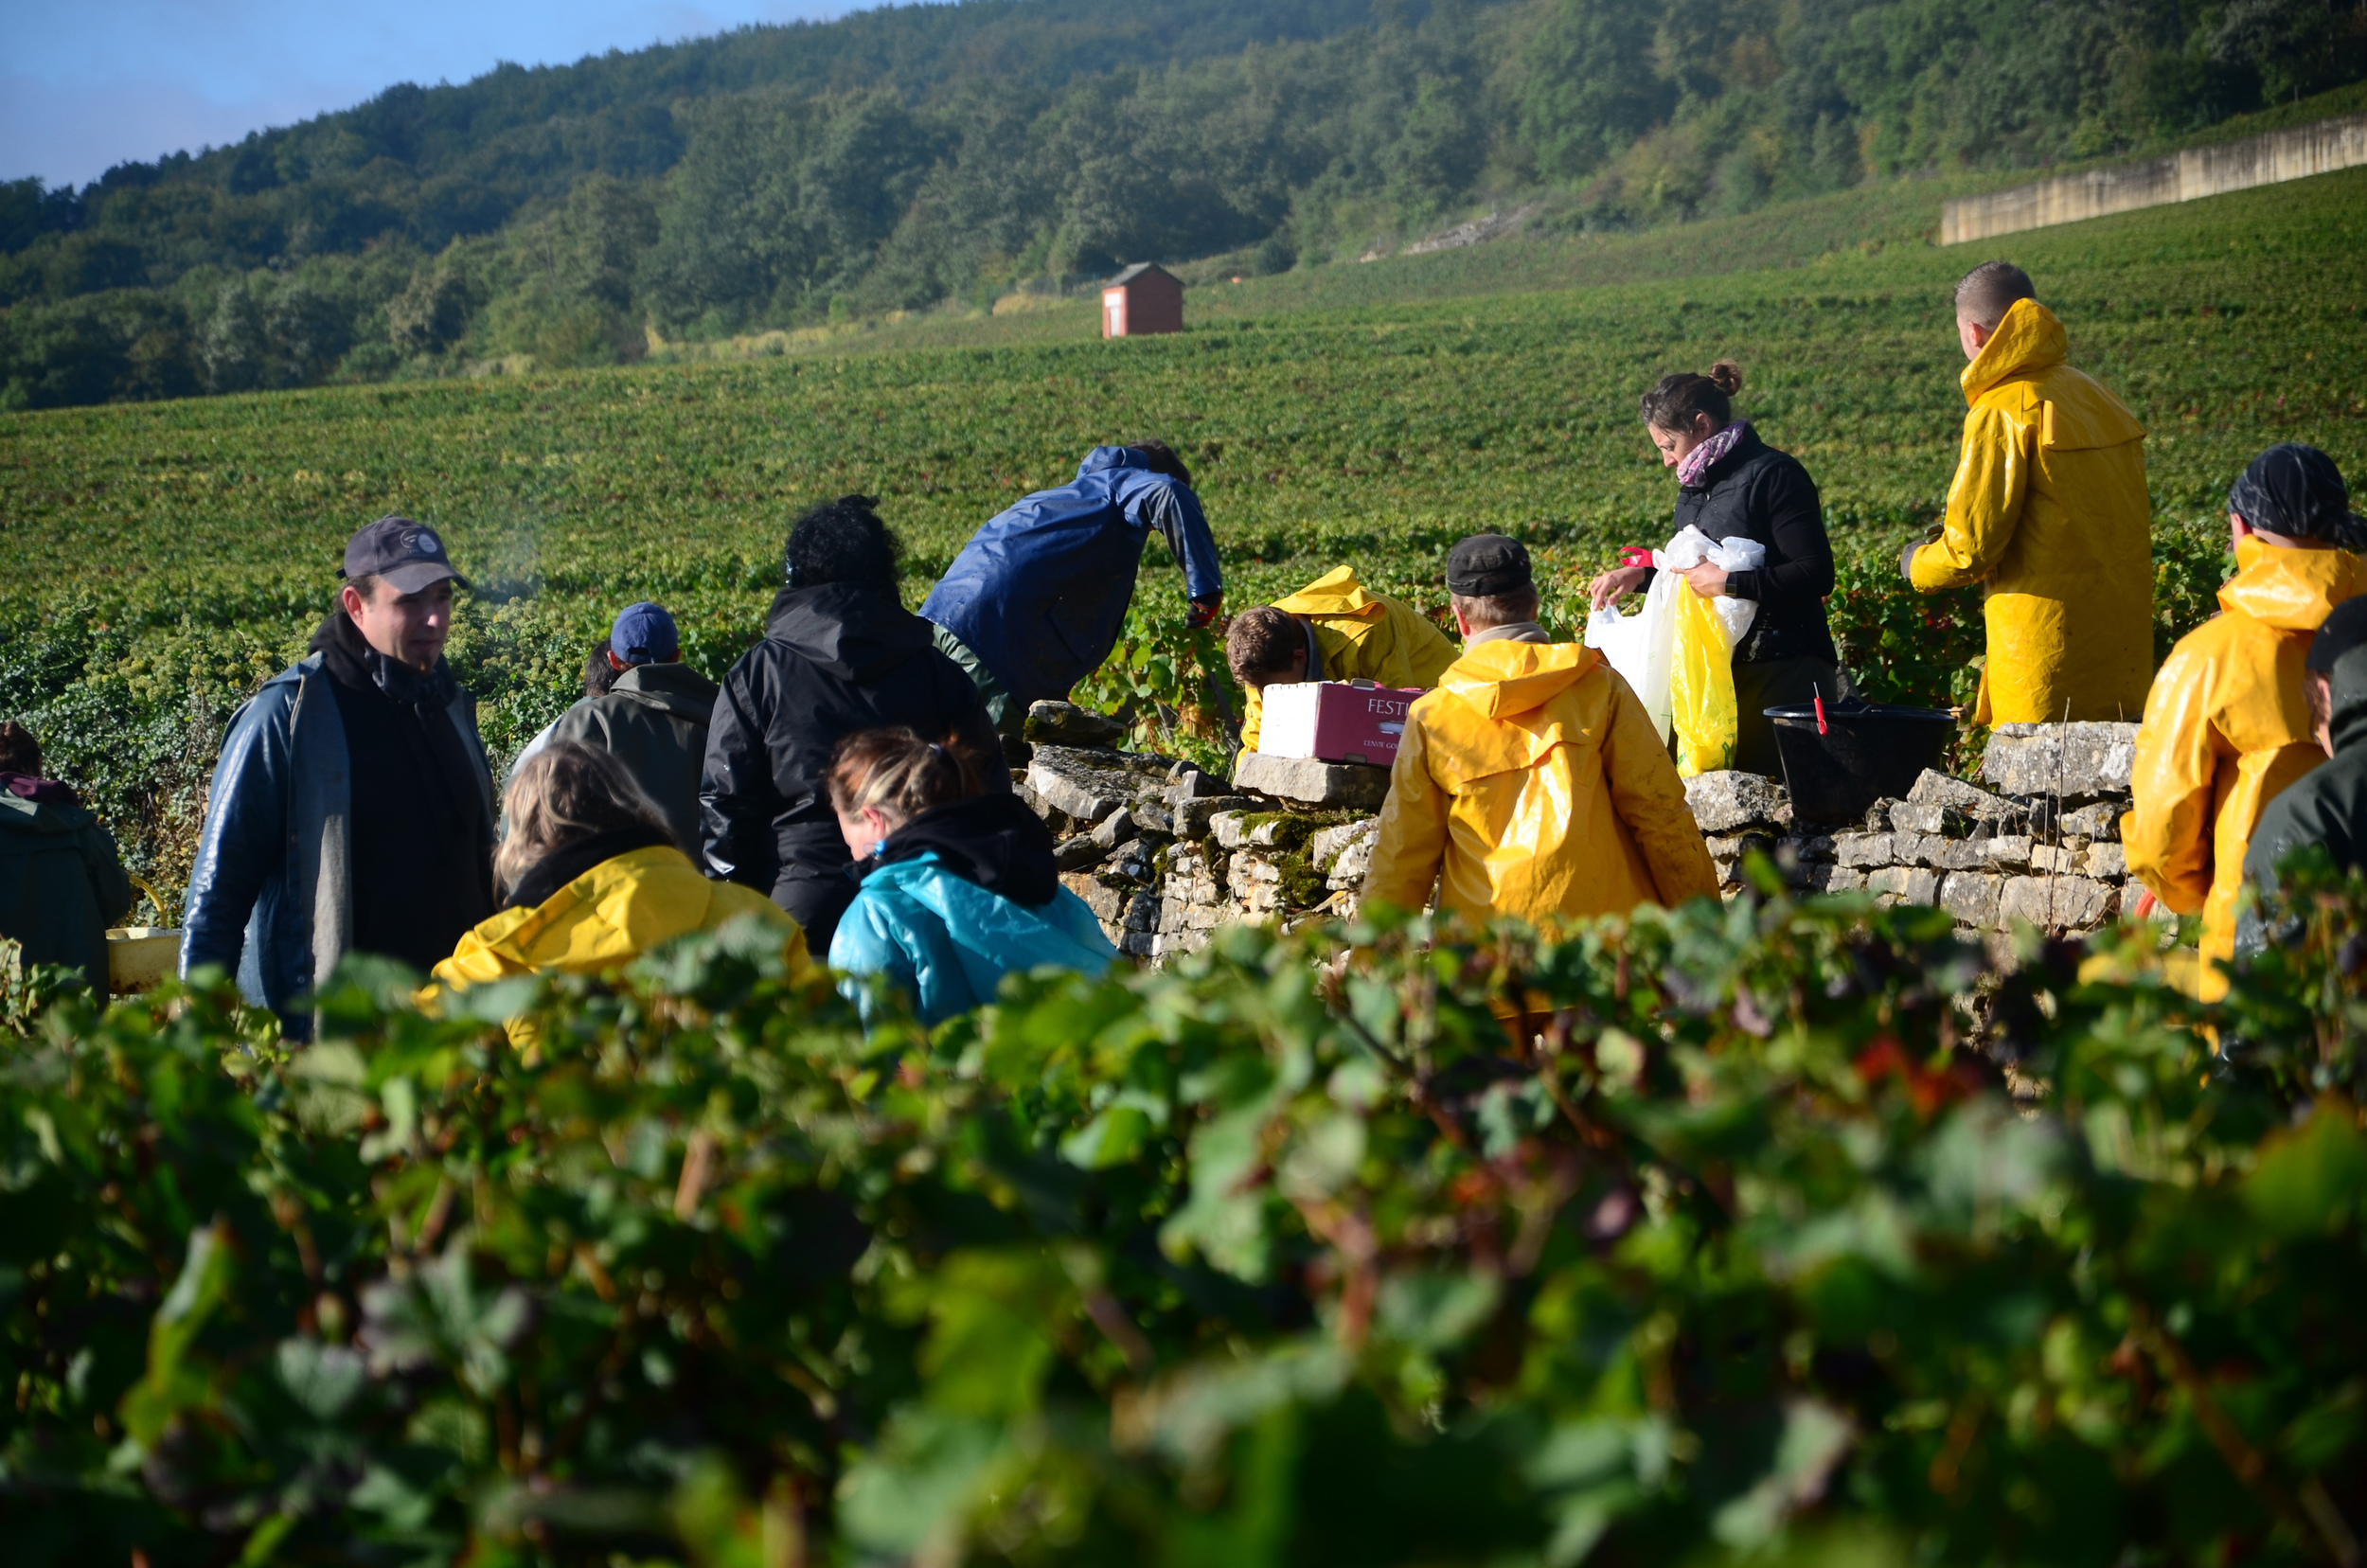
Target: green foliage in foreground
{"points": [[1740, 1241]]}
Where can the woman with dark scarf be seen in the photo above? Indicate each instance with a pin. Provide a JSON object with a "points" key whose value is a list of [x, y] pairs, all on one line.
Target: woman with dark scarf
{"points": [[1732, 485]]}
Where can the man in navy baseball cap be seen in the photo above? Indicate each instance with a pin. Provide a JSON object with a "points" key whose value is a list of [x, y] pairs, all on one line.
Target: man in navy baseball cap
{"points": [[644, 634], [404, 554], [654, 716]]}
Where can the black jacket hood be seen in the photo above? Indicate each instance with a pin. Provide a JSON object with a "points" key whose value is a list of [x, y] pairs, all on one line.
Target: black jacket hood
{"points": [[847, 631], [992, 840]]}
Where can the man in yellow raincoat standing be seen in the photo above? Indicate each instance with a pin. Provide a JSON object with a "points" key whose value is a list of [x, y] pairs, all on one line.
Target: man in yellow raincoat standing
{"points": [[1331, 629], [2228, 728], [1531, 783], [2049, 513]]}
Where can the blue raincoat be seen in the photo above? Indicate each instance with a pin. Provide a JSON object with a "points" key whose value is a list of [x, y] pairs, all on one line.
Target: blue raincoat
{"points": [[946, 943], [1040, 594]]}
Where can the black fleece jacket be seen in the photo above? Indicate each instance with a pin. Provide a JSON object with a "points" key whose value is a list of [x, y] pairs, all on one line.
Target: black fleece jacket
{"points": [[835, 659], [1758, 492]]}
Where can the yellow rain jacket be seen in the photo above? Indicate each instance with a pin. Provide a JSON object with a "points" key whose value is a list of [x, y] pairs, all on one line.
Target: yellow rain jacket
{"points": [[1534, 783], [1362, 637], [2049, 512], [2226, 729], [605, 919]]}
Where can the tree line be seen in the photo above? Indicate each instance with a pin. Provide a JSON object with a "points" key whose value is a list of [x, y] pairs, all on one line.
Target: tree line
{"points": [[905, 158]]}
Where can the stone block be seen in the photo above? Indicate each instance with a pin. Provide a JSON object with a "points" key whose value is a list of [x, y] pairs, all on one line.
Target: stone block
{"points": [[1933, 788], [2051, 858], [1086, 785], [2099, 820], [1116, 829], [1930, 819], [1330, 842], [1142, 913], [1078, 854], [2007, 849], [1339, 785], [1192, 816], [1724, 801], [1230, 829], [1066, 724], [2105, 860], [1152, 816], [1863, 848], [1354, 861], [2060, 759], [1107, 904], [1905, 884], [1954, 854], [1191, 784], [1824, 877], [1816, 847], [1972, 895], [2056, 903]]}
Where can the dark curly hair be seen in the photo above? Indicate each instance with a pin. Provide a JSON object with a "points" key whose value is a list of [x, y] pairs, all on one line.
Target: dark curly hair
{"points": [[842, 540], [1161, 458]]}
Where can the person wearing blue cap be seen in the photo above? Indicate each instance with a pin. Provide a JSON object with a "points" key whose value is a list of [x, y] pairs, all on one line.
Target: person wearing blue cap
{"points": [[653, 718], [352, 809]]}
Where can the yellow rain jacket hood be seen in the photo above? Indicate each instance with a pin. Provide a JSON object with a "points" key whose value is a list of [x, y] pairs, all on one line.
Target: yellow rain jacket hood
{"points": [[1531, 783], [605, 919], [2226, 729], [1362, 636], [2049, 512]]}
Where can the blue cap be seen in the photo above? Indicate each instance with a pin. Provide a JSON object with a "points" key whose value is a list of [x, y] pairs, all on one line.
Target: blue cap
{"points": [[644, 634]]}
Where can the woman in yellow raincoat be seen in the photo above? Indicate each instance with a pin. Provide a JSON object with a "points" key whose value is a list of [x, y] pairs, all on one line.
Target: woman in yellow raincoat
{"points": [[1331, 629], [2227, 726], [594, 881], [2049, 514]]}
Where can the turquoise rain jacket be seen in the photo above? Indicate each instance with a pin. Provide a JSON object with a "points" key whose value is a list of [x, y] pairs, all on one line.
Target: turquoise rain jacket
{"points": [[947, 943]]}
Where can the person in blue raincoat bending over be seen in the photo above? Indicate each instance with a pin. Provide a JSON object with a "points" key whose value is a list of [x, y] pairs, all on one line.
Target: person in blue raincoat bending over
{"points": [[958, 884], [1036, 598]]}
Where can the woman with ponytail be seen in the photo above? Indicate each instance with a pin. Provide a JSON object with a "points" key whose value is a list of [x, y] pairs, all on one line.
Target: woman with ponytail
{"points": [[958, 887], [1731, 484], [2227, 724]]}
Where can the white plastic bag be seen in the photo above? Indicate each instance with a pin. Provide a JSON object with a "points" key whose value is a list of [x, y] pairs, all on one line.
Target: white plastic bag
{"points": [[1642, 647]]}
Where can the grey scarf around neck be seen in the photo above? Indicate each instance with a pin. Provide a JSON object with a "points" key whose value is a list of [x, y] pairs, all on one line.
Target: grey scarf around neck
{"points": [[1527, 632]]}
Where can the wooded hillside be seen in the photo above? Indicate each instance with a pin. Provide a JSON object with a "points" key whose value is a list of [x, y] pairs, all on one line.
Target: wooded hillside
{"points": [[925, 155]]}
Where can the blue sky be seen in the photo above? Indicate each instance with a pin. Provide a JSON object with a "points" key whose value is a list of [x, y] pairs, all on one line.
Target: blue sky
{"points": [[86, 85]]}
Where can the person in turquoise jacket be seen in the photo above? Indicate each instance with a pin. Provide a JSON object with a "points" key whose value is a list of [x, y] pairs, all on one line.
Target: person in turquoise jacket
{"points": [[958, 888]]}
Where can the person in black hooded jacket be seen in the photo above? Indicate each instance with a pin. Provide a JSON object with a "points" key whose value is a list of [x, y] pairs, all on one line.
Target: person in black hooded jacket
{"points": [[1732, 485], [2325, 807], [841, 653]]}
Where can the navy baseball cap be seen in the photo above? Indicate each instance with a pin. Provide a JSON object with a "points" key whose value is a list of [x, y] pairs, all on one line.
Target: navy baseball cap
{"points": [[644, 634], [408, 555]]}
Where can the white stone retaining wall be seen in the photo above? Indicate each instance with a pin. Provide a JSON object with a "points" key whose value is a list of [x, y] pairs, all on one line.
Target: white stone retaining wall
{"points": [[1166, 854], [2198, 171]]}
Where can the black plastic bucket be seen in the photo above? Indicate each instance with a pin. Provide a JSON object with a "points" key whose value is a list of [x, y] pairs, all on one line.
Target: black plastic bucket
{"points": [[1873, 750]]}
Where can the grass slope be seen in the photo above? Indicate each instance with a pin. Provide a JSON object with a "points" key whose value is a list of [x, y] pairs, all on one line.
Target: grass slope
{"points": [[167, 557]]}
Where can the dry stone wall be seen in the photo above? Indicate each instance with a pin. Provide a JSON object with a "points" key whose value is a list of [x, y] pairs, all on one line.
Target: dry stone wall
{"points": [[1164, 854]]}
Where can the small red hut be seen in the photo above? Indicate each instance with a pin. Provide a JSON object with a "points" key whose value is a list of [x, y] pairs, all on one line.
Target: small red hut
{"points": [[1144, 297]]}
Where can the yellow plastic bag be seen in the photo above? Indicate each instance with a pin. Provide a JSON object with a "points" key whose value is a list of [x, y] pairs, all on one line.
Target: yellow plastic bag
{"points": [[1702, 704]]}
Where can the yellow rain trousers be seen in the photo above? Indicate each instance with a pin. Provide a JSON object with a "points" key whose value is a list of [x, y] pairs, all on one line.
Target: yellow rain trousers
{"points": [[2226, 729], [1532, 784], [1362, 636], [2049, 512], [605, 919]]}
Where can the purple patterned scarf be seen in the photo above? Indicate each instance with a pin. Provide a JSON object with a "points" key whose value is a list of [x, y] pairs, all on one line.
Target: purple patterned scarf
{"points": [[1694, 463]]}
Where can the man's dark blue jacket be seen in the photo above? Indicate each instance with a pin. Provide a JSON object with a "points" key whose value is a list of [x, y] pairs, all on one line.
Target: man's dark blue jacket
{"points": [[1040, 592]]}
